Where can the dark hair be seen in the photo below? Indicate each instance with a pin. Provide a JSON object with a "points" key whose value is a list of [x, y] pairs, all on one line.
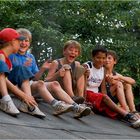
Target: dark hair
{"points": [[113, 54], [98, 49]]}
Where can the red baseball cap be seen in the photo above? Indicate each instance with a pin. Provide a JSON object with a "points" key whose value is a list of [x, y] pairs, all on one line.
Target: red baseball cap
{"points": [[8, 34]]}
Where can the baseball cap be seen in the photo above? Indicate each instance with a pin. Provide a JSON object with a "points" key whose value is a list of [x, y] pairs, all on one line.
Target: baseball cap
{"points": [[8, 34]]}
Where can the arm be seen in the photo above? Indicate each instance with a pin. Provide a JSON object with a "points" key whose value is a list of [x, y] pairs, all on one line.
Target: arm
{"points": [[77, 63], [43, 68], [111, 80], [15, 90], [52, 74], [87, 71], [103, 87], [126, 79]]}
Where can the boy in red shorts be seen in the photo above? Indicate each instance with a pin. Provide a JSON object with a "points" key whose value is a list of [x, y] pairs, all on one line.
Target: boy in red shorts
{"points": [[100, 102]]}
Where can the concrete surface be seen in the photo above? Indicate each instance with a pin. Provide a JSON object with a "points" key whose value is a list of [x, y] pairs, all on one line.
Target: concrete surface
{"points": [[63, 127]]}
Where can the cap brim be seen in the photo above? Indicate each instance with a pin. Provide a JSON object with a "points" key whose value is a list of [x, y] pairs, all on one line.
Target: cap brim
{"points": [[21, 38]]}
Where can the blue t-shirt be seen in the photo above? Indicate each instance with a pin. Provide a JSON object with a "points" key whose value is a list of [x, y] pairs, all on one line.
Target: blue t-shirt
{"points": [[18, 59]]}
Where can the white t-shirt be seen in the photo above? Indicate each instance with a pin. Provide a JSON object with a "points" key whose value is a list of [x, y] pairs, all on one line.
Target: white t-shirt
{"points": [[95, 78]]}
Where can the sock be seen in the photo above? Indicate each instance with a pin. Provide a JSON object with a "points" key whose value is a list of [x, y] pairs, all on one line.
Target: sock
{"points": [[53, 102], [75, 105], [6, 98]]}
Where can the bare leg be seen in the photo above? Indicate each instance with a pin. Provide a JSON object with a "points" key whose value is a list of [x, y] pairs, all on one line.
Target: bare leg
{"points": [[40, 88], [25, 87], [119, 92], [3, 86], [59, 92], [113, 106], [129, 97], [16, 91], [81, 86], [67, 82]]}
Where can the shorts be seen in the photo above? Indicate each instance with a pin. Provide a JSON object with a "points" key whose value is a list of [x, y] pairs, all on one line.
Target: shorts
{"points": [[113, 98], [76, 74], [19, 74], [96, 100], [4, 68]]}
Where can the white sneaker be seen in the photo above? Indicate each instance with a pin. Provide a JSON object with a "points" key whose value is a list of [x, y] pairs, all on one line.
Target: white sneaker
{"points": [[35, 111], [61, 107], [9, 107], [81, 110]]}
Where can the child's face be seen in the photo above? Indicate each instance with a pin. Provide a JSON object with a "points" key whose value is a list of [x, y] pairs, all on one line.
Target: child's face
{"points": [[15, 45], [99, 59], [110, 62], [24, 45], [71, 53]]}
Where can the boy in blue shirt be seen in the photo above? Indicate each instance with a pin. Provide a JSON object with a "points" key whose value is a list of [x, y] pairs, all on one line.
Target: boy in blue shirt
{"points": [[10, 43], [44, 88]]}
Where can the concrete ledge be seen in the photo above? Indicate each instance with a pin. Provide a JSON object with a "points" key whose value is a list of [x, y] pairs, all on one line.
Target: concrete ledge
{"points": [[63, 127]]}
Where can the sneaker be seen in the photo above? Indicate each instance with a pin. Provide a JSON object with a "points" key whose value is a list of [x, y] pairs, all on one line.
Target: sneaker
{"points": [[78, 99], [61, 107], [39, 99], [9, 107], [80, 111], [133, 120], [35, 111]]}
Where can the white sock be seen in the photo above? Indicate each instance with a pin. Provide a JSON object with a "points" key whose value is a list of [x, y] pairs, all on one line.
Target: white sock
{"points": [[6, 98]]}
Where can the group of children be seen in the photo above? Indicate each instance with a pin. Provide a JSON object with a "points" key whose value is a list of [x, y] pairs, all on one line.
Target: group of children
{"points": [[69, 86]]}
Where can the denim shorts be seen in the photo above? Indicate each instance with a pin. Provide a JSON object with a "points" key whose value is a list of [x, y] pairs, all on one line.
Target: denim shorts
{"points": [[19, 74]]}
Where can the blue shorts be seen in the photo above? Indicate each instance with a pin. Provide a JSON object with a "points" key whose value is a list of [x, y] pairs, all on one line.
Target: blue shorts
{"points": [[3, 67], [19, 74]]}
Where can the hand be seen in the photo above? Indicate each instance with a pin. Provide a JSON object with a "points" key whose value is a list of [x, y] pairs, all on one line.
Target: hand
{"points": [[62, 72], [87, 71], [30, 101], [111, 79], [116, 77], [46, 65]]}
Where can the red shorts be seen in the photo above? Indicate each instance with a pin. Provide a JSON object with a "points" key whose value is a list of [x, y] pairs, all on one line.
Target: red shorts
{"points": [[96, 99]]}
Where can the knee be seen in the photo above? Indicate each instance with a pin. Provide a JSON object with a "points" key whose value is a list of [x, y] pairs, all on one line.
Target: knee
{"points": [[40, 84], [55, 84], [119, 85], [105, 97], [127, 86]]}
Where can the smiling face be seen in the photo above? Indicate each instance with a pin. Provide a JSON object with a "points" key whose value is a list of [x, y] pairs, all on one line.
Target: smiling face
{"points": [[99, 60], [110, 61], [71, 53], [24, 45]]}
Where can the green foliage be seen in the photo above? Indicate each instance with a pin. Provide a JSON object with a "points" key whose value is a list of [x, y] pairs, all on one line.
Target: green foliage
{"points": [[114, 24]]}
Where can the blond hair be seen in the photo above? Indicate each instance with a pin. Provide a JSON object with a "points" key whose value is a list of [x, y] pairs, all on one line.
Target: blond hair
{"points": [[25, 32], [72, 42]]}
